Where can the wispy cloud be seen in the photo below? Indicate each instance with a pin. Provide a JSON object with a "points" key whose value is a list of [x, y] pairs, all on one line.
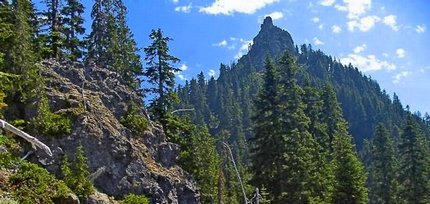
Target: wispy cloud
{"points": [[223, 43], [400, 76], [180, 74], [184, 9], [276, 15], [354, 8], [401, 53], [243, 48], [211, 73], [367, 63], [327, 2], [229, 7], [315, 19], [175, 1], [391, 20], [360, 48], [363, 24], [336, 29], [318, 41], [420, 28]]}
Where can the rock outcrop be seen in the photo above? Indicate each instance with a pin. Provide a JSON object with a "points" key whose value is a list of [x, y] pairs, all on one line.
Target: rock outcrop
{"points": [[271, 41], [121, 162]]}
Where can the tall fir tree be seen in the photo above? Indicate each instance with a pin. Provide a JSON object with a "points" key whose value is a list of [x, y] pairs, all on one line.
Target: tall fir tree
{"points": [[53, 36], [160, 72], [383, 168], [349, 173], [265, 149], [73, 29], [414, 167], [99, 38]]}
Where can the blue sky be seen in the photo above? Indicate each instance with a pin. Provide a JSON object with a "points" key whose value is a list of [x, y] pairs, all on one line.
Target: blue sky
{"points": [[386, 39]]}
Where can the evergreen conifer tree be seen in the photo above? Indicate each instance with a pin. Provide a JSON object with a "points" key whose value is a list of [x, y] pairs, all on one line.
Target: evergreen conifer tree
{"points": [[73, 28], [160, 72], [414, 164], [382, 168]]}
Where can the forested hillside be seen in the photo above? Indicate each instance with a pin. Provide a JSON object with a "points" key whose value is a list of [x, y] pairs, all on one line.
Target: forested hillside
{"points": [[283, 124], [231, 107]]}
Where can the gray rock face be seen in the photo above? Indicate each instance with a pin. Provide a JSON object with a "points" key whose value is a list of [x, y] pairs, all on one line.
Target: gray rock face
{"points": [[120, 162], [271, 41]]}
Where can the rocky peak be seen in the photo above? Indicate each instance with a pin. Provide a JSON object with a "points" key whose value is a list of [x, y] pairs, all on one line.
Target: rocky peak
{"points": [[271, 41], [267, 23], [120, 161]]}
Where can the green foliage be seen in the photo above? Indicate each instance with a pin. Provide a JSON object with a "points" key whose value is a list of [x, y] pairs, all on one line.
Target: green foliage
{"points": [[33, 184], [414, 170], [383, 168], [7, 159], [7, 201], [49, 123], [73, 28], [135, 199], [160, 72], [76, 176], [198, 155], [135, 121], [111, 43]]}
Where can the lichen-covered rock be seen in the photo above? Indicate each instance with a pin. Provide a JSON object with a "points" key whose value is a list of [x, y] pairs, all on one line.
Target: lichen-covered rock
{"points": [[121, 162]]}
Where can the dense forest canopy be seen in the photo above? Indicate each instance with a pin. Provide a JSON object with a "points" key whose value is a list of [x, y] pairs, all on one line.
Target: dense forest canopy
{"points": [[286, 119]]}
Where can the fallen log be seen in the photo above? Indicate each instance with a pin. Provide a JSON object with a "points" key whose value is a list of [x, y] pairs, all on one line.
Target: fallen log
{"points": [[34, 141]]}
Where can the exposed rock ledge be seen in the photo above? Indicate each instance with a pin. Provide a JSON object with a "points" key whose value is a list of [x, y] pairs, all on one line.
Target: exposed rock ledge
{"points": [[124, 162]]}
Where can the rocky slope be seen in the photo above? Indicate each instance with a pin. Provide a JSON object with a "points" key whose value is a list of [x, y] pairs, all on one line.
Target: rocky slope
{"points": [[121, 162]]}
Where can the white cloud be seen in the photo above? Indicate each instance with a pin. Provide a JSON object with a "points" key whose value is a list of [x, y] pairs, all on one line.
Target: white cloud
{"points": [[184, 9], [367, 63], [320, 26], [354, 8], [327, 2], [401, 75], [336, 29], [223, 43], [211, 73], [183, 67], [318, 41], [243, 48], [364, 24], [228, 7], [391, 20], [400, 53], [360, 48], [179, 74], [386, 55], [276, 15], [315, 19], [420, 28], [175, 1]]}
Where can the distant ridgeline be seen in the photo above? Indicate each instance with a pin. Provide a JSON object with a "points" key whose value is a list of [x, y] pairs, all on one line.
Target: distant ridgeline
{"points": [[226, 103]]}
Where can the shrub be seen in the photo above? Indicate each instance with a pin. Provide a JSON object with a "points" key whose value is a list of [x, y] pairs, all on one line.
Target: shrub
{"points": [[49, 123], [135, 199], [34, 184], [134, 121], [76, 176]]}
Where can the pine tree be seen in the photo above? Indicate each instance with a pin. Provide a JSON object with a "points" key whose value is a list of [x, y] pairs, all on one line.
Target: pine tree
{"points": [[265, 150], [160, 72], [300, 148], [73, 28], [349, 174], [52, 19], [20, 58], [98, 40], [283, 149], [414, 165], [382, 168]]}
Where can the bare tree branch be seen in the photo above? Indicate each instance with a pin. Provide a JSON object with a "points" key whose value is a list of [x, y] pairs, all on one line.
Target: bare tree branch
{"points": [[34, 141], [182, 110]]}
